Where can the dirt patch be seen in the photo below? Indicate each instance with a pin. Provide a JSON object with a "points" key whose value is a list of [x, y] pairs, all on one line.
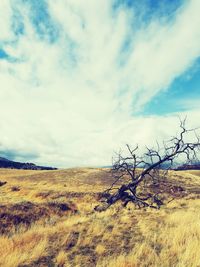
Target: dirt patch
{"points": [[168, 188], [25, 213], [15, 188]]}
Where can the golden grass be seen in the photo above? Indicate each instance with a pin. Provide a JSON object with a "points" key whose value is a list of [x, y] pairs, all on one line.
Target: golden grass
{"points": [[117, 237], [23, 249], [174, 242]]}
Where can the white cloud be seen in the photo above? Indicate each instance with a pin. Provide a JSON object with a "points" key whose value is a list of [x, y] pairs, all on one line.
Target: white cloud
{"points": [[164, 52], [70, 101], [6, 12], [189, 104]]}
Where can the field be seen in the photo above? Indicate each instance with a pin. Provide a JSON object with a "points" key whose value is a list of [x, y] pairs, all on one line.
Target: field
{"points": [[47, 218]]}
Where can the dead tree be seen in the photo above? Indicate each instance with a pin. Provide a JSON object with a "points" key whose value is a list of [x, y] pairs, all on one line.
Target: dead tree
{"points": [[134, 174]]}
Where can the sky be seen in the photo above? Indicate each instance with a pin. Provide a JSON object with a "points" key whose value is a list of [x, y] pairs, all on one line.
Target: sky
{"points": [[81, 78]]}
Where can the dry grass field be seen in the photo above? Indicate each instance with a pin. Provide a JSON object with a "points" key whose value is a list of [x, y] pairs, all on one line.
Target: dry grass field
{"points": [[47, 219]]}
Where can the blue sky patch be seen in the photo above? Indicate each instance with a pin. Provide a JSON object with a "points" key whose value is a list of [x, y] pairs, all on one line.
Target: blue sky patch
{"points": [[3, 54], [184, 89], [146, 11], [17, 23], [43, 24]]}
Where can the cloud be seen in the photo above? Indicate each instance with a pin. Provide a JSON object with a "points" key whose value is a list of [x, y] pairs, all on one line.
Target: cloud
{"points": [[82, 71], [6, 13], [190, 104], [17, 155], [164, 52]]}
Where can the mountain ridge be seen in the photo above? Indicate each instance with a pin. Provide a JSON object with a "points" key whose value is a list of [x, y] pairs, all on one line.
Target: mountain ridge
{"points": [[186, 167], [6, 163]]}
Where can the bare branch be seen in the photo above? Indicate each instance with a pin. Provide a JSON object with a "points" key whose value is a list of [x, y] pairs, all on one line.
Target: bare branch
{"points": [[125, 169]]}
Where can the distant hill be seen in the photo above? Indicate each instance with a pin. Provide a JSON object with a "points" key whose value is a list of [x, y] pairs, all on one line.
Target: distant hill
{"points": [[4, 159], [185, 167], [6, 163]]}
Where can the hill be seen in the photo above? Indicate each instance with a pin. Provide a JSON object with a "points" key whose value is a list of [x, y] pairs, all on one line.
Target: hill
{"points": [[6, 163], [185, 167]]}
